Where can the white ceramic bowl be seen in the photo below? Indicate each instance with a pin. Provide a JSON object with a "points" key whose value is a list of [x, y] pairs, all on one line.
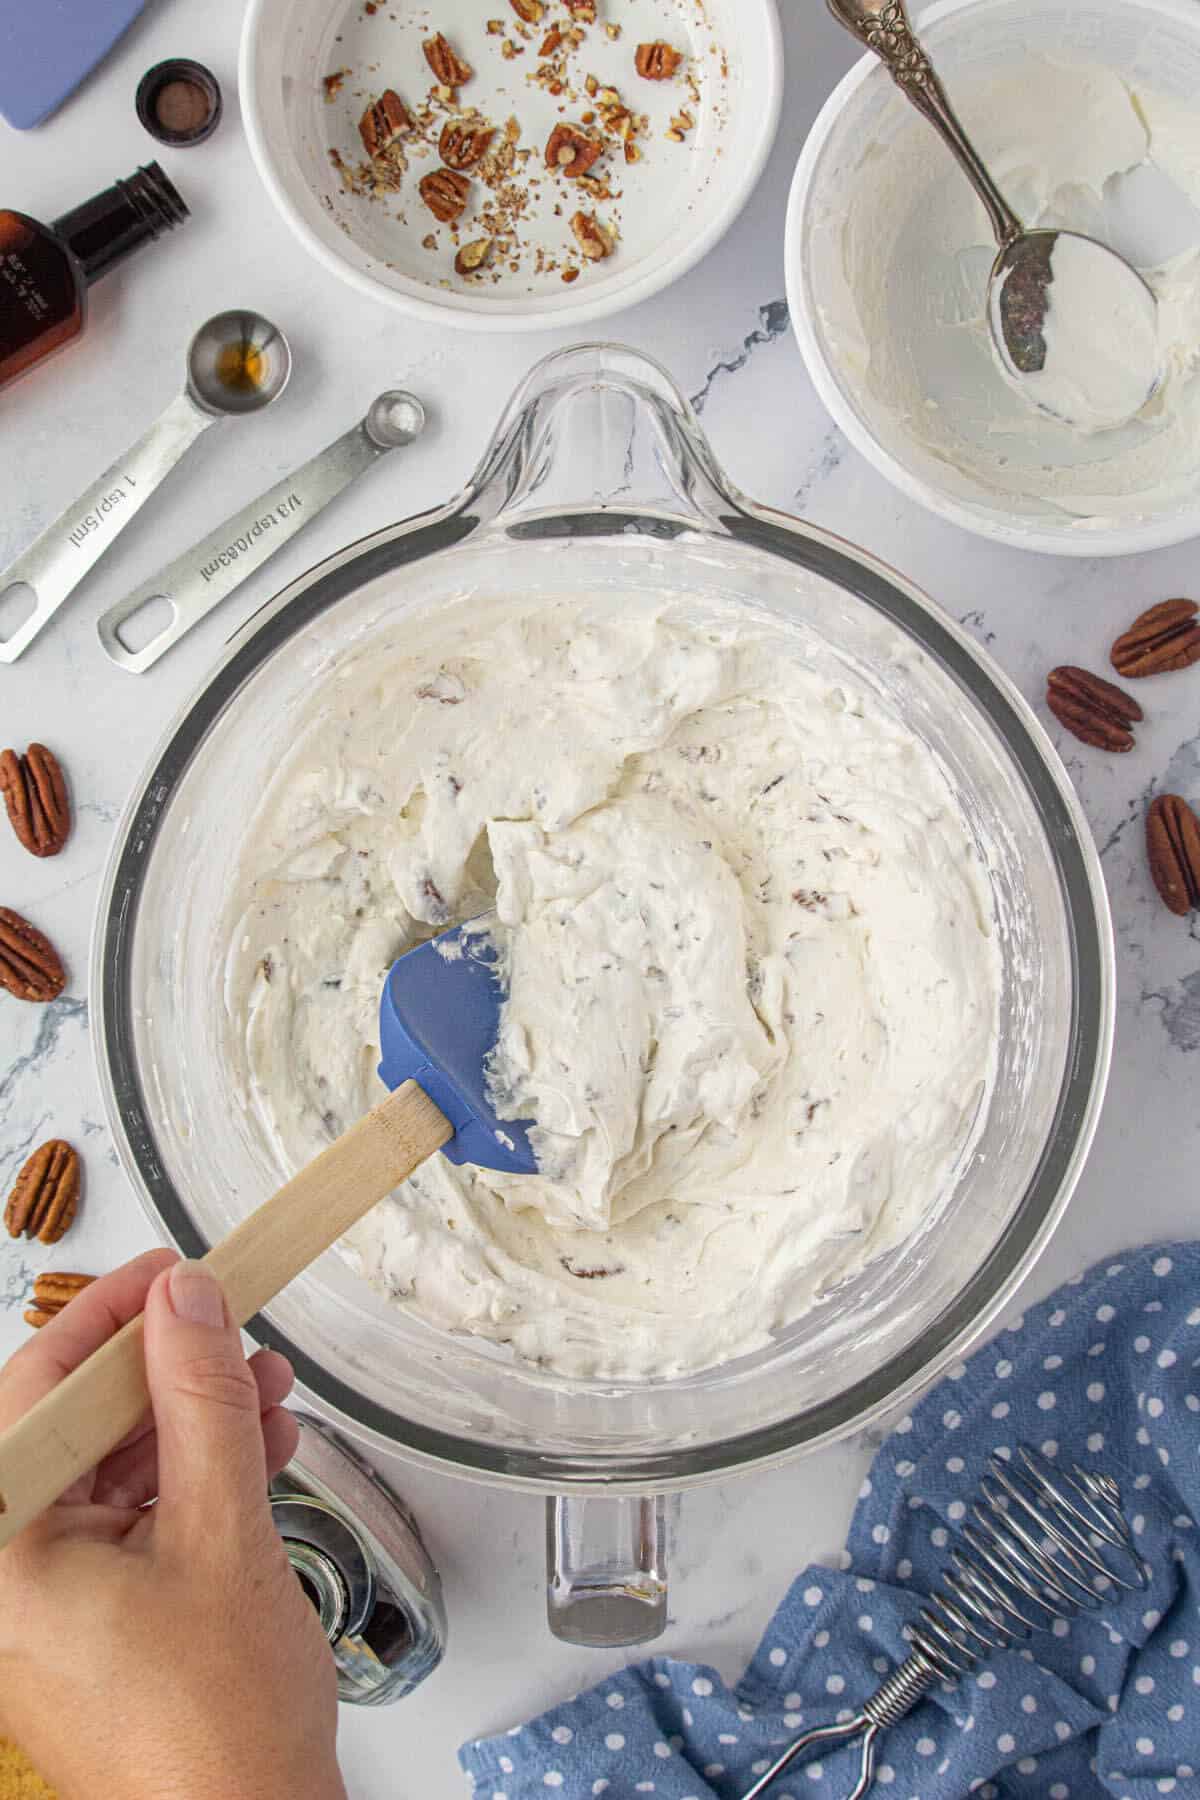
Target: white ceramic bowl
{"points": [[673, 206], [1150, 44]]}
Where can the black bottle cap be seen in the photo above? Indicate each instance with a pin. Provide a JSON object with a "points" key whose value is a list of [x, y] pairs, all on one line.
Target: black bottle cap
{"points": [[179, 102]]}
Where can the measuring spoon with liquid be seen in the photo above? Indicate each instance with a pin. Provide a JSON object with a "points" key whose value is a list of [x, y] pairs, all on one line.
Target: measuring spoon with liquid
{"points": [[237, 363], [142, 627]]}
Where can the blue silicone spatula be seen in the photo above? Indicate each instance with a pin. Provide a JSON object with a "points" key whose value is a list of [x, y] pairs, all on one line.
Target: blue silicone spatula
{"points": [[439, 1017], [438, 1022], [47, 47]]}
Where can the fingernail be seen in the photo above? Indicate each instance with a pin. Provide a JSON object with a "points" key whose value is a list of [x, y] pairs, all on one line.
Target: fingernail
{"points": [[195, 1296]]}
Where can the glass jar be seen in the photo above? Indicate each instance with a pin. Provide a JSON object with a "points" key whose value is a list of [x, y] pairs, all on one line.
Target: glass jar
{"points": [[358, 1554]]}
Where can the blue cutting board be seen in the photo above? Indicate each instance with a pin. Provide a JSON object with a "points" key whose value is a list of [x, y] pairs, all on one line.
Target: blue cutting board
{"points": [[47, 47]]}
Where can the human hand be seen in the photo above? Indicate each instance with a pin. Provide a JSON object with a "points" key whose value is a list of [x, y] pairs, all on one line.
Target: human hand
{"points": [[166, 1652]]}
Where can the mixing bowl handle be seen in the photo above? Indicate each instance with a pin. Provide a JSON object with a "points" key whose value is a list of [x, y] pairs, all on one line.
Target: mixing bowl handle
{"points": [[594, 429], [606, 1568]]}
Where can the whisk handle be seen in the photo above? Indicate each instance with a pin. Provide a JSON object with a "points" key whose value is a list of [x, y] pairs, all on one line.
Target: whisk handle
{"points": [[833, 1736], [890, 1702]]}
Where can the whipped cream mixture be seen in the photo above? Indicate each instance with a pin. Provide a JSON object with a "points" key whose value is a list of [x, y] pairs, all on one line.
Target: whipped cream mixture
{"points": [[747, 934], [906, 251]]}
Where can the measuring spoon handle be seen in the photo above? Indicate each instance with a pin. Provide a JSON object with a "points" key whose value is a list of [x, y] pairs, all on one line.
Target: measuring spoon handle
{"points": [[57, 561], [211, 570], [884, 27]]}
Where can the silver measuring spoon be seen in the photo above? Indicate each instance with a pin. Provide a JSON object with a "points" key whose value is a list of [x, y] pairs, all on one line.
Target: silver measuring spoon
{"points": [[237, 363], [190, 587], [1098, 312]]}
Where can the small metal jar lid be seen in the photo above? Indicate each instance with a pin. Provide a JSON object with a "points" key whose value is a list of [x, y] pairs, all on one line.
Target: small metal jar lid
{"points": [[179, 102]]}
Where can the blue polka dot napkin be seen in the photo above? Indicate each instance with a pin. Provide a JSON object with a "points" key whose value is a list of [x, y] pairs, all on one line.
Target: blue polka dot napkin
{"points": [[1107, 1373]]}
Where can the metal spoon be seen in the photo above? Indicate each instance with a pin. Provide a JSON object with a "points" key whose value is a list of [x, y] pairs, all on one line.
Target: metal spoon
{"points": [[208, 573], [237, 363], [1103, 391]]}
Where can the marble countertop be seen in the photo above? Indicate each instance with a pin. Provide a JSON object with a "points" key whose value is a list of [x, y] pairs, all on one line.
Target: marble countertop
{"points": [[724, 333]]}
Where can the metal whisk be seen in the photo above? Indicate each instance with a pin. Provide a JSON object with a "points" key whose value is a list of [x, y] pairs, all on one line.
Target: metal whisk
{"points": [[1045, 1544]]}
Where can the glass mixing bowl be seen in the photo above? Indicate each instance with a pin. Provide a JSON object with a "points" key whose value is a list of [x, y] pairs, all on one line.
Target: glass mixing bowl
{"points": [[599, 481]]}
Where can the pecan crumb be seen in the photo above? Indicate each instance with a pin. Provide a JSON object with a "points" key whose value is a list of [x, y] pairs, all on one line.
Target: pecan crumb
{"points": [[593, 238], [594, 1274], [473, 257]]}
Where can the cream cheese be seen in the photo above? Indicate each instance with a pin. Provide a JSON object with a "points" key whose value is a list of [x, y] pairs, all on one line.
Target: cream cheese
{"points": [[1100, 336], [753, 990], [906, 251]]}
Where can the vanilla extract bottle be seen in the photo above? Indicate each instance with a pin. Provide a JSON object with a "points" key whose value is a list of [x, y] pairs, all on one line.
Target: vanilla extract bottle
{"points": [[46, 270]]}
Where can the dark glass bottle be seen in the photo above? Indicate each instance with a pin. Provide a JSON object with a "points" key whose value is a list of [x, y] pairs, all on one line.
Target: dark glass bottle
{"points": [[46, 270]]}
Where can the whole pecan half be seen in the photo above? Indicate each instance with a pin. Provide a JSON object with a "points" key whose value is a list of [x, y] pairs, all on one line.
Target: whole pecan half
{"points": [[464, 142], [444, 192], [1173, 847], [591, 236], [35, 794], [1097, 712], [571, 150], [448, 67], [30, 966], [657, 61], [384, 122], [51, 1292], [1163, 638], [529, 10], [45, 1195]]}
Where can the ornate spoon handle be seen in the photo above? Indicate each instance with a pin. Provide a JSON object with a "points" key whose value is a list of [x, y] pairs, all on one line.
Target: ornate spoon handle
{"points": [[885, 29]]}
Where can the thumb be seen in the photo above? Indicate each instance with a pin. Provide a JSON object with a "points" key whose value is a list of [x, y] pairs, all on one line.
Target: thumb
{"points": [[211, 1460]]}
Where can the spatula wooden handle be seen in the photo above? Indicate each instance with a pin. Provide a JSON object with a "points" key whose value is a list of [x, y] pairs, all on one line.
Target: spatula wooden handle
{"points": [[88, 1414]]}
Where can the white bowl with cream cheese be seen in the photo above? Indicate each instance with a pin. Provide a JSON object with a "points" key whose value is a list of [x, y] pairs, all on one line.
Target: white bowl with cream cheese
{"points": [[1085, 114]]}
